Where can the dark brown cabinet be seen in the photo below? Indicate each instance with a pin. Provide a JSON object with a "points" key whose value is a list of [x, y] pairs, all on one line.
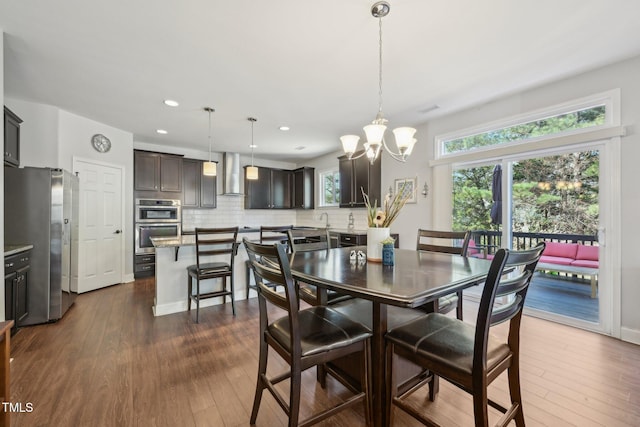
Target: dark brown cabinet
{"points": [[272, 189], [145, 265], [157, 172], [357, 175], [303, 188], [198, 190], [360, 239], [16, 282], [11, 138]]}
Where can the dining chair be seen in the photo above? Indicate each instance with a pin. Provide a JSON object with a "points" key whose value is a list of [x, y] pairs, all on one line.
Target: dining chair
{"points": [[450, 242], [304, 240], [303, 338], [468, 356], [212, 242], [268, 233]]}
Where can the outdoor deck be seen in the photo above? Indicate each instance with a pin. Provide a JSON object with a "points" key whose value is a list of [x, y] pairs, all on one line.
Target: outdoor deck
{"points": [[563, 295]]}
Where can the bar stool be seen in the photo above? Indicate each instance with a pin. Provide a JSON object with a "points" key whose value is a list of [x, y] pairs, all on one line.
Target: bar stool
{"points": [[211, 242]]}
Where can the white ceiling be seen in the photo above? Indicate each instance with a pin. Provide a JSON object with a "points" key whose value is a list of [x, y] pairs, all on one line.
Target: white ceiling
{"points": [[310, 66]]}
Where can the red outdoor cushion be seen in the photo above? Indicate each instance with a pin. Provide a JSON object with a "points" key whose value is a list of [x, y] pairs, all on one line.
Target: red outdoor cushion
{"points": [[589, 253], [586, 263], [556, 260], [560, 250], [473, 250]]}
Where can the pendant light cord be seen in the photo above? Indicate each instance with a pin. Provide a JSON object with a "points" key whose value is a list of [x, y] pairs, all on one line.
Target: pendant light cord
{"points": [[209, 135], [252, 121], [380, 67]]}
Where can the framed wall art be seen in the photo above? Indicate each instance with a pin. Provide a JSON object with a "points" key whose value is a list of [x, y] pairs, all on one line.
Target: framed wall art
{"points": [[407, 186]]}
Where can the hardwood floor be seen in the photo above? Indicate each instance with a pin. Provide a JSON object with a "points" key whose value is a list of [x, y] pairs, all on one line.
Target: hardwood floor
{"points": [[109, 362]]}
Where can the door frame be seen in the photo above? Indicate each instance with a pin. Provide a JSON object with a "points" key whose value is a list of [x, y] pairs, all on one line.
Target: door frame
{"points": [[123, 223]]}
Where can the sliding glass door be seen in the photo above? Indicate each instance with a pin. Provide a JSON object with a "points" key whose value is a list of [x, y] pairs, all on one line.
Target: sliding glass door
{"points": [[552, 196]]}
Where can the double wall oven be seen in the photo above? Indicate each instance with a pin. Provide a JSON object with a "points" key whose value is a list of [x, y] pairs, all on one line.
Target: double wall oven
{"points": [[154, 218]]}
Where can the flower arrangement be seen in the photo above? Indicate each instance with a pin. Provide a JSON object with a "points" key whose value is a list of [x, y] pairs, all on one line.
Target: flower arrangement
{"points": [[387, 213]]}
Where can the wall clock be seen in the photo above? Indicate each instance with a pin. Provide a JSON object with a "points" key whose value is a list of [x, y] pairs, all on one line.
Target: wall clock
{"points": [[101, 143]]}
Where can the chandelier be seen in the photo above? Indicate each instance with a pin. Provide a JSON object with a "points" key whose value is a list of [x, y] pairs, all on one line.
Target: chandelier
{"points": [[375, 131]]}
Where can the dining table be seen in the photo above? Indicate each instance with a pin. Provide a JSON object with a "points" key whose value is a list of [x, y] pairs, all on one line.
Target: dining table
{"points": [[417, 279]]}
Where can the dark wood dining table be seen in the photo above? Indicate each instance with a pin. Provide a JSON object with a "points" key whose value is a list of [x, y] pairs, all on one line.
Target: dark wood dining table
{"points": [[416, 279]]}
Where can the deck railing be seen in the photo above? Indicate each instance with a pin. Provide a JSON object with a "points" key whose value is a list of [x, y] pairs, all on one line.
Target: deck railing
{"points": [[492, 240]]}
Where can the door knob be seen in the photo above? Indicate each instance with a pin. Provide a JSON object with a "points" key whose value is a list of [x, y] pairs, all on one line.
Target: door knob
{"points": [[117, 232]]}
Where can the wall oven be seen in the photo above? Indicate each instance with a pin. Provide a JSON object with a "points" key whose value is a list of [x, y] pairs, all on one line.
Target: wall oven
{"points": [[145, 231], [158, 210]]}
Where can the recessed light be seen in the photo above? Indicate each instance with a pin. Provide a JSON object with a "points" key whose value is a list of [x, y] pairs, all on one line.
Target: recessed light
{"points": [[253, 146], [171, 103], [300, 147], [161, 131], [284, 128]]}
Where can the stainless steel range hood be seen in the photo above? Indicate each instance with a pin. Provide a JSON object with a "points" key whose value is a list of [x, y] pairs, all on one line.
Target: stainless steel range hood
{"points": [[232, 174]]}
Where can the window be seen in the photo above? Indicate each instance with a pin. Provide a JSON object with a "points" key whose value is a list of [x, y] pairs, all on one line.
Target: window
{"points": [[329, 188], [551, 125]]}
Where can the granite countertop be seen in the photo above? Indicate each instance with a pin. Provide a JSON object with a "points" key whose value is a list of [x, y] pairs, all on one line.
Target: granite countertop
{"points": [[16, 249], [173, 242]]}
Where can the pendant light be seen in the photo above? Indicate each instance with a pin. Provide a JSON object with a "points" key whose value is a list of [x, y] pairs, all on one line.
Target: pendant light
{"points": [[375, 131], [252, 171], [209, 168]]}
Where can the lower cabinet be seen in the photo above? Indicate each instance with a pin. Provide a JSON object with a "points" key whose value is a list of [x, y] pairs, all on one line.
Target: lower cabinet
{"points": [[360, 239], [145, 265], [16, 282]]}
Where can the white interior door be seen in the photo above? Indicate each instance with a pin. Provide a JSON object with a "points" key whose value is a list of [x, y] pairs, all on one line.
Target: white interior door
{"points": [[101, 245]]}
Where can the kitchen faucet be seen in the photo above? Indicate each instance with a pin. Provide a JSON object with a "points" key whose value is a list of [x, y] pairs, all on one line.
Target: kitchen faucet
{"points": [[326, 224]]}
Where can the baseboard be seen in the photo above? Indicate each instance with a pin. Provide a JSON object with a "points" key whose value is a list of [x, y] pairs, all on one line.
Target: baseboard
{"points": [[630, 335], [128, 278]]}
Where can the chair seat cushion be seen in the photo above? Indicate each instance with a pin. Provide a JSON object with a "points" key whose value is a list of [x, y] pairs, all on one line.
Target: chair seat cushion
{"points": [[210, 268], [555, 260], [446, 342], [585, 263], [321, 329]]}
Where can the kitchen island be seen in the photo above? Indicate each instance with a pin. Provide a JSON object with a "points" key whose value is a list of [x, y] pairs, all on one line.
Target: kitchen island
{"points": [[175, 254]]}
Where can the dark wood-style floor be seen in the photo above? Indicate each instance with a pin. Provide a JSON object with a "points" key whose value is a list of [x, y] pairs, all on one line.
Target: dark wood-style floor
{"points": [[109, 362]]}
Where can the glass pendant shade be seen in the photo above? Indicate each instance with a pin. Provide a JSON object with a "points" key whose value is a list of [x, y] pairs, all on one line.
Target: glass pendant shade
{"points": [[252, 172], [403, 135], [349, 143], [209, 169], [374, 133]]}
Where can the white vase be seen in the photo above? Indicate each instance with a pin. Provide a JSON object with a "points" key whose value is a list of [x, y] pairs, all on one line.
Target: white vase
{"points": [[374, 247]]}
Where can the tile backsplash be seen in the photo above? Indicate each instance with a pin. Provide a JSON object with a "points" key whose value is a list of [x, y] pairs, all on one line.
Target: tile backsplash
{"points": [[230, 212]]}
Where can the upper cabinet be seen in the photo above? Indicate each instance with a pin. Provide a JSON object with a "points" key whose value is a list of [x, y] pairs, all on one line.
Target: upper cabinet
{"points": [[11, 138], [357, 175], [199, 191], [303, 188], [157, 172], [272, 189]]}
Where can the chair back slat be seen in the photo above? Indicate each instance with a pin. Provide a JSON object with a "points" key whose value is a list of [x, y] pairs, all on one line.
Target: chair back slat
{"points": [[443, 241], [214, 242], [304, 240], [274, 233], [270, 264]]}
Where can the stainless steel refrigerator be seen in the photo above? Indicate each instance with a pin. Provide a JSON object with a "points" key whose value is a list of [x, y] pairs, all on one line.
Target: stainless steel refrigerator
{"points": [[41, 208]]}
